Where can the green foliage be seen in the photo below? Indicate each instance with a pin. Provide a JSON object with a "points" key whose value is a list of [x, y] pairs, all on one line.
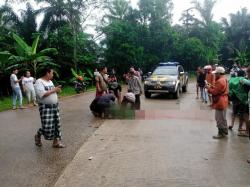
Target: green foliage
{"points": [[140, 37], [27, 56]]}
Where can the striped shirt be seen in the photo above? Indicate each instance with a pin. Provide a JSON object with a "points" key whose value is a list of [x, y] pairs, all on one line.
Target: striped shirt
{"points": [[134, 84]]}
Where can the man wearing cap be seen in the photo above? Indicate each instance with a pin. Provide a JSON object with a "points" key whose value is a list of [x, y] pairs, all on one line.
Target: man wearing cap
{"points": [[220, 101]]}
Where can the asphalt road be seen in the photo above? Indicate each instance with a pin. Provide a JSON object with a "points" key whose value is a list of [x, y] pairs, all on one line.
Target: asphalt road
{"points": [[168, 144], [24, 164]]}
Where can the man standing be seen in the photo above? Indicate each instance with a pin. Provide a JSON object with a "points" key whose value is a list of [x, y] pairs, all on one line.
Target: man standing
{"points": [[220, 101], [102, 82], [28, 86], [134, 84], [209, 79], [49, 109], [201, 83], [17, 94]]}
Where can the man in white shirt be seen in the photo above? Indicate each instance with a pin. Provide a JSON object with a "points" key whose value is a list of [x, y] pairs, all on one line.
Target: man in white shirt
{"points": [[16, 90], [28, 86], [49, 109]]}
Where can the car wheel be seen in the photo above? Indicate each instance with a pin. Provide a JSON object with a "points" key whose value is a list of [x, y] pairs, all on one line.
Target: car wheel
{"points": [[147, 94], [177, 93]]}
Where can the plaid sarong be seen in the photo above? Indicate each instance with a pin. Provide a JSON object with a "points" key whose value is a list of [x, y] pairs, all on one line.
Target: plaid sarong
{"points": [[50, 120]]}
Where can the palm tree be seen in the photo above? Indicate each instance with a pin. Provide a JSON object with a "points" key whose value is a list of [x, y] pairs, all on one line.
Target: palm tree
{"points": [[237, 31], [8, 18], [205, 11], [27, 24]]}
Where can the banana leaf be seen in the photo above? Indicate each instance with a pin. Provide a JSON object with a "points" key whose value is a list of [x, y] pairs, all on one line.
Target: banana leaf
{"points": [[74, 72]]}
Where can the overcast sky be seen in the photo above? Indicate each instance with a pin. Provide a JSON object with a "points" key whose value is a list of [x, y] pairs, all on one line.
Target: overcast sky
{"points": [[222, 8]]}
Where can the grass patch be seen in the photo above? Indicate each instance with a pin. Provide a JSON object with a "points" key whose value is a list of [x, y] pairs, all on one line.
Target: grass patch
{"points": [[6, 103]]}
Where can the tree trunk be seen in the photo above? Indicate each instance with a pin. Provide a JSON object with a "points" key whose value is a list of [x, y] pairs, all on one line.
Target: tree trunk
{"points": [[74, 49]]}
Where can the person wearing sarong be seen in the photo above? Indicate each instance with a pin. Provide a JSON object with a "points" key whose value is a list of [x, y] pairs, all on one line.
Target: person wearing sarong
{"points": [[49, 110]]}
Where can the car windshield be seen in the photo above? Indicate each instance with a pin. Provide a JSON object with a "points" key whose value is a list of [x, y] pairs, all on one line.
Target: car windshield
{"points": [[165, 71]]}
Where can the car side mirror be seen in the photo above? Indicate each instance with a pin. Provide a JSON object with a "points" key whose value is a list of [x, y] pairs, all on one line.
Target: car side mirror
{"points": [[149, 73], [182, 73]]}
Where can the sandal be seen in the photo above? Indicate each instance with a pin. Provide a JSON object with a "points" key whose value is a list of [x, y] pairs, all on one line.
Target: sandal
{"points": [[242, 134], [248, 161], [59, 145], [38, 141]]}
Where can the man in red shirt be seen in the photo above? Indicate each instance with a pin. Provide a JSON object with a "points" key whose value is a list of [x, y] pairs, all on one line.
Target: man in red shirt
{"points": [[220, 101]]}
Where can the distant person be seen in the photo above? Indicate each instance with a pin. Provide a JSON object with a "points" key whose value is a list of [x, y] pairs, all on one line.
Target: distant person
{"points": [[96, 72], [136, 73], [102, 82], [210, 79], [246, 83], [238, 97], [49, 109], [134, 84], [219, 93], [128, 100], [101, 105], [16, 90], [201, 83], [197, 84], [114, 86], [234, 71], [28, 87]]}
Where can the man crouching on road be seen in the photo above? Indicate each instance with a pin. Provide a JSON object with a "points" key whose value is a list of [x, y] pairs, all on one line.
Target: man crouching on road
{"points": [[220, 101], [48, 108]]}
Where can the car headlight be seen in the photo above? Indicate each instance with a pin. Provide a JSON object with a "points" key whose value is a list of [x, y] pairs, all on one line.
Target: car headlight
{"points": [[171, 83], [174, 82]]}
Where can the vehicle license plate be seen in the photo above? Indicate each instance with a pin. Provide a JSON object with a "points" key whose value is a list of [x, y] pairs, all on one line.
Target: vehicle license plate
{"points": [[158, 86]]}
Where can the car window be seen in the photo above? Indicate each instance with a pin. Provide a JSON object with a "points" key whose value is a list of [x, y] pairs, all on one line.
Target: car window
{"points": [[165, 71]]}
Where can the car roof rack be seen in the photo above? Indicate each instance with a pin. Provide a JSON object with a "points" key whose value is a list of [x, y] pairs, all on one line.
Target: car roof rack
{"points": [[169, 63]]}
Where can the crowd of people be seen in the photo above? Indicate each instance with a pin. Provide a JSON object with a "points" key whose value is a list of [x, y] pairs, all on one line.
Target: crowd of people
{"points": [[109, 92], [220, 92], [44, 92], [213, 89]]}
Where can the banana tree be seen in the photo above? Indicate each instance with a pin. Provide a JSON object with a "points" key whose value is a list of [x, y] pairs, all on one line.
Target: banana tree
{"points": [[241, 57], [28, 57]]}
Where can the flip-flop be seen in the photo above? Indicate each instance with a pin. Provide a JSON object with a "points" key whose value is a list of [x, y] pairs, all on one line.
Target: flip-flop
{"points": [[59, 145], [248, 161], [243, 134], [38, 141]]}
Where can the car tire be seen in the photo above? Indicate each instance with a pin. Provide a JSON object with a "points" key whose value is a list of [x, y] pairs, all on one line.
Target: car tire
{"points": [[177, 93], [147, 94]]}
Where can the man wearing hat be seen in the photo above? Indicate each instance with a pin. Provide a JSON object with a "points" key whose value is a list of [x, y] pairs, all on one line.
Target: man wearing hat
{"points": [[220, 101]]}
